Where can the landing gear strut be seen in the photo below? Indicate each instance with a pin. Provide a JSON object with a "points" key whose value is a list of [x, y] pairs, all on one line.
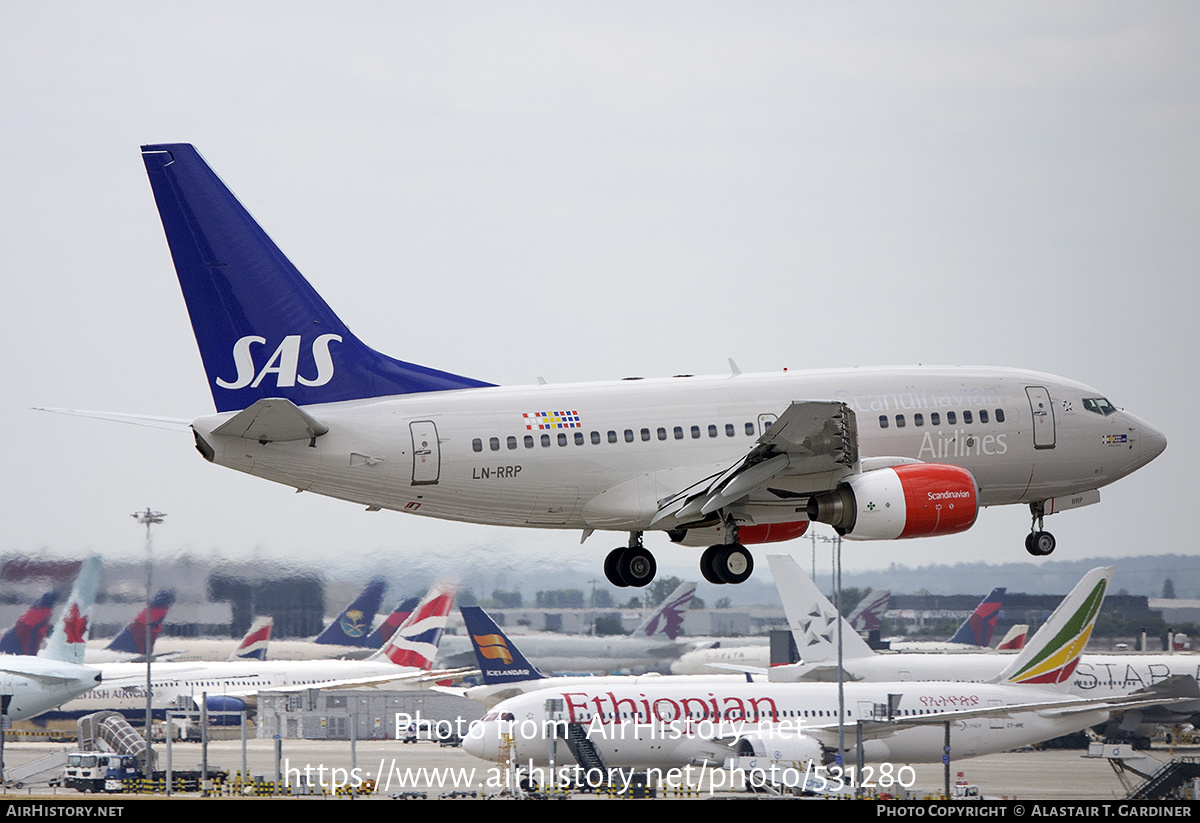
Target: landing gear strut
{"points": [[631, 565], [1038, 542]]}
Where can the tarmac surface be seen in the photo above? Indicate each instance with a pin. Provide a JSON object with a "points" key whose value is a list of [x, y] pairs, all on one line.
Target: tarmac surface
{"points": [[426, 767]]}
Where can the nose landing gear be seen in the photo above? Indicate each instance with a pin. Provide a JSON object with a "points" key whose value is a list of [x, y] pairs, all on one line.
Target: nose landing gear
{"points": [[1038, 542]]}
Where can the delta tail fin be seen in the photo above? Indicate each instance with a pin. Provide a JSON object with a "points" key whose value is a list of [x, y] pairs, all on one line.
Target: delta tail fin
{"points": [[977, 629], [263, 331], [500, 661], [26, 635], [132, 639]]}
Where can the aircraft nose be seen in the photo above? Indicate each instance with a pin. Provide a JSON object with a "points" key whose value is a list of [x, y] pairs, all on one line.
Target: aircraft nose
{"points": [[1154, 442], [473, 744]]}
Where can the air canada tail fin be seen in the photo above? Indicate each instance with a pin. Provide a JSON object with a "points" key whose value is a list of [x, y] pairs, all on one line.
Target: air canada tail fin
{"points": [[353, 626], [1051, 655], [977, 629], [499, 659], [26, 635], [68, 642], [263, 331]]}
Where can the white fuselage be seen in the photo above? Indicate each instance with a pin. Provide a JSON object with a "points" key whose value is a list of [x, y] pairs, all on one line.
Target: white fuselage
{"points": [[478, 455], [37, 685], [663, 726]]}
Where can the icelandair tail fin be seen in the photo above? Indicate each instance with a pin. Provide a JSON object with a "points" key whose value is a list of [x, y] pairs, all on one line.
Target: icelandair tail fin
{"points": [[383, 633], [667, 620], [132, 638], [353, 626], [977, 629], [416, 643], [811, 616], [254, 644], [500, 660], [68, 642], [26, 635], [1053, 652], [263, 331]]}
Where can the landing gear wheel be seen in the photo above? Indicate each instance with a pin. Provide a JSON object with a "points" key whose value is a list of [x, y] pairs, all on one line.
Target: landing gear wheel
{"points": [[612, 565], [630, 566], [727, 563], [636, 567], [1040, 544]]}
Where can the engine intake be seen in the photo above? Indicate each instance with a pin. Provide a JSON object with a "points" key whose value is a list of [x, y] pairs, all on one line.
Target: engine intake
{"points": [[914, 500]]}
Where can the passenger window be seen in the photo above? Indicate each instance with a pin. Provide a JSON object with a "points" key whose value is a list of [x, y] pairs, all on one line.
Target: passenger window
{"points": [[612, 436], [529, 441], [951, 418], [662, 433], [629, 435], [477, 444], [899, 421], [562, 438], [578, 438], [712, 430], [494, 443], [695, 432], [935, 419], [729, 431], [983, 416], [750, 429], [918, 419], [967, 417], [883, 421], [645, 435], [595, 438], [999, 415], [545, 441], [511, 442], [679, 432]]}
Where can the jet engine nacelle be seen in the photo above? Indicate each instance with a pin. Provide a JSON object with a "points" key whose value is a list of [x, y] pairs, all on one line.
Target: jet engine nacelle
{"points": [[911, 500], [223, 710], [782, 744]]}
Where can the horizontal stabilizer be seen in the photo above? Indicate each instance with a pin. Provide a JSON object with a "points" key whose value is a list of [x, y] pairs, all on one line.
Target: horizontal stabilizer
{"points": [[173, 423], [272, 420]]}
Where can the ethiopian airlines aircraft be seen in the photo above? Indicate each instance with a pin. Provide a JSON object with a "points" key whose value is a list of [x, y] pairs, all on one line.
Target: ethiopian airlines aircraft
{"points": [[725, 461]]}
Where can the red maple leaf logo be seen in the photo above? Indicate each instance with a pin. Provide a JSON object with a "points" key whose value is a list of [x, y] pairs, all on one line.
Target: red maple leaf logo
{"points": [[75, 625]]}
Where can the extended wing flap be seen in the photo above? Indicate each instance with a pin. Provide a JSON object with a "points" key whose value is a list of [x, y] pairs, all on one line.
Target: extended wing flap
{"points": [[272, 419], [812, 437]]}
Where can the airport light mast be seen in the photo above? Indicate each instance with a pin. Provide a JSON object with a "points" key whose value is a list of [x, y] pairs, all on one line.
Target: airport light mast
{"points": [[149, 518]]}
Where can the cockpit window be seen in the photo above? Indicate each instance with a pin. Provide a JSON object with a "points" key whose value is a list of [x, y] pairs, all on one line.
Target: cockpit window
{"points": [[1099, 405]]}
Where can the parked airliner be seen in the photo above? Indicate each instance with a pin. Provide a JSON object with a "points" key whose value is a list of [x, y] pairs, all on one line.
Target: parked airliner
{"points": [[724, 461]]}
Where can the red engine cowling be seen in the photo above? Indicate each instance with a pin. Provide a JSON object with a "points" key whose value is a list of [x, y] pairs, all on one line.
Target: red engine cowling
{"points": [[771, 532], [912, 500]]}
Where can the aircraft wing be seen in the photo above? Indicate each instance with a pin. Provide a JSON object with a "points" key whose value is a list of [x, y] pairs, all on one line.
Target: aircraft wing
{"points": [[812, 438], [415, 678], [43, 670]]}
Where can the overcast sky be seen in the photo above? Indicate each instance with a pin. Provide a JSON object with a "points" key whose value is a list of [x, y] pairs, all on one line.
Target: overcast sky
{"points": [[586, 191]]}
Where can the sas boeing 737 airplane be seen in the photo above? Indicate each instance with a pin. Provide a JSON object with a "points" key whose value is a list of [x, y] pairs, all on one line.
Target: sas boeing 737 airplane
{"points": [[725, 461]]}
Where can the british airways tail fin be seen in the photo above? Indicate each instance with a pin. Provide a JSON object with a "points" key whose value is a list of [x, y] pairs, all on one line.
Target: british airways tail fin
{"points": [[68, 642], [132, 638], [26, 635], [500, 660], [977, 629], [383, 633], [353, 626], [415, 644], [263, 331], [254, 644]]}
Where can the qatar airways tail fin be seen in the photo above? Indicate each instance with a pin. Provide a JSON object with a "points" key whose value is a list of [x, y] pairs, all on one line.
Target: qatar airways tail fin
{"points": [[263, 331], [415, 643], [132, 639], [667, 619], [499, 659], [26, 635]]}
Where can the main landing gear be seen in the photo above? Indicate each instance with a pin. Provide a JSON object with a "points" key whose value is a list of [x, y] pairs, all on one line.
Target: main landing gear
{"points": [[726, 563], [1038, 542], [631, 565]]}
